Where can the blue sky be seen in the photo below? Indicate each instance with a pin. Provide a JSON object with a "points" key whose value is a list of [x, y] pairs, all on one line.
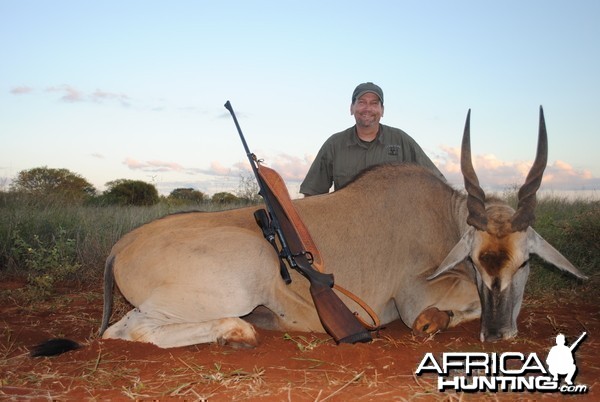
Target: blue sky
{"points": [[135, 89]]}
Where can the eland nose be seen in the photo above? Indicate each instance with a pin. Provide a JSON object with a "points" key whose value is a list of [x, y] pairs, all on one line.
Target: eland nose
{"points": [[497, 335]]}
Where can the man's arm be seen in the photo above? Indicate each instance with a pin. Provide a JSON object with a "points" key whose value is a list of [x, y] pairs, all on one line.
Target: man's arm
{"points": [[319, 178], [422, 159]]}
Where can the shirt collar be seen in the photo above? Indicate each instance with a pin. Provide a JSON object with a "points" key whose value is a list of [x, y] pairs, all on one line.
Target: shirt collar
{"points": [[354, 140]]}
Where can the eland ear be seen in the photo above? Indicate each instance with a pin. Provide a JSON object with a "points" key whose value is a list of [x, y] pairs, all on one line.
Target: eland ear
{"points": [[537, 245], [459, 252]]}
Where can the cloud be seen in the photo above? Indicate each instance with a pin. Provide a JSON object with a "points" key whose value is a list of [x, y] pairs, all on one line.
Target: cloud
{"points": [[292, 167], [493, 173], [99, 96], [217, 177], [496, 174], [153, 166], [561, 175], [217, 169], [70, 94], [21, 90]]}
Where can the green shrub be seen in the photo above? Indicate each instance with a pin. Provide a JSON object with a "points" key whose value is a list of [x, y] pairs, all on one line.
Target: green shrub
{"points": [[130, 192], [45, 262], [224, 198], [186, 196]]}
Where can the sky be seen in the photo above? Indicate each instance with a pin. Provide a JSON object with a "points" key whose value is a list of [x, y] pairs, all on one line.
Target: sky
{"points": [[135, 89]]}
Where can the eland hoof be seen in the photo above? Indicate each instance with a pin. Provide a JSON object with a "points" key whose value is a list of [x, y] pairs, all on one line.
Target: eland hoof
{"points": [[242, 337], [430, 321]]}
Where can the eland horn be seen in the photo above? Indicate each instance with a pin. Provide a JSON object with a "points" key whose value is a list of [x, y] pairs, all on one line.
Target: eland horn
{"points": [[525, 216], [475, 194]]}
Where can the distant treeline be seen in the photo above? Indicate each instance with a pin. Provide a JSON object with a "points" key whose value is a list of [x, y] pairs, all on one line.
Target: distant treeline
{"points": [[49, 236], [43, 183]]}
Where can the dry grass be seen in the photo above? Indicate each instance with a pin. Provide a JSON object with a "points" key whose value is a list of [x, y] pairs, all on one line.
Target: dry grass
{"points": [[320, 381]]}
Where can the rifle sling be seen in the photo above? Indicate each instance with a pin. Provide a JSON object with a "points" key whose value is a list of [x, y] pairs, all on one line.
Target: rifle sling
{"points": [[278, 189], [299, 238], [364, 306]]}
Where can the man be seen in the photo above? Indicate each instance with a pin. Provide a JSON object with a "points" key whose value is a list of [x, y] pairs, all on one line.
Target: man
{"points": [[366, 144]]}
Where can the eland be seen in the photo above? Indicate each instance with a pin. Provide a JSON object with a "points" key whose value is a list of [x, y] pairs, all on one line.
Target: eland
{"points": [[412, 247]]}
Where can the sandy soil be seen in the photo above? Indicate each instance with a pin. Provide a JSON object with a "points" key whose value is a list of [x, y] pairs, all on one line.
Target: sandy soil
{"points": [[293, 366]]}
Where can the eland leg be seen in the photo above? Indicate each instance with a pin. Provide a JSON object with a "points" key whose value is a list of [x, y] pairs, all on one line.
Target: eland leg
{"points": [[440, 304], [163, 332]]}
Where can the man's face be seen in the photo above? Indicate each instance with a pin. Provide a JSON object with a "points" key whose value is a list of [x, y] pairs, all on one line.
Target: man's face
{"points": [[367, 110]]}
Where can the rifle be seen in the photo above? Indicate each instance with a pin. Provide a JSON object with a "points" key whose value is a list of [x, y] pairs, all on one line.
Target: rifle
{"points": [[336, 318]]}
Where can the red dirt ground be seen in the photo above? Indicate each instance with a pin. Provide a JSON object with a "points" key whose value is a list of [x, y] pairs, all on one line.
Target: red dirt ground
{"points": [[284, 367]]}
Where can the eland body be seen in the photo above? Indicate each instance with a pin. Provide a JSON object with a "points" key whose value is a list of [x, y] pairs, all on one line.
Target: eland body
{"points": [[407, 243]]}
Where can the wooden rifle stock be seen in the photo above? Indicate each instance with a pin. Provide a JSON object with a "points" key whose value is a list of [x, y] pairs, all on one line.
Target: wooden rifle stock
{"points": [[301, 253]]}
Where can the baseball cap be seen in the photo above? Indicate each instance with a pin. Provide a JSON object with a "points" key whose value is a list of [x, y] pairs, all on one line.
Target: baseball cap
{"points": [[367, 87]]}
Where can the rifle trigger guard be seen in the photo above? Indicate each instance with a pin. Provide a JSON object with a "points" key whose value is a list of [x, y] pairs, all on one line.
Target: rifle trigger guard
{"points": [[309, 257]]}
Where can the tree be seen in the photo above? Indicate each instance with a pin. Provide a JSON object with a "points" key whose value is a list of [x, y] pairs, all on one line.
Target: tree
{"points": [[131, 192], [248, 189], [224, 198], [48, 182], [187, 195]]}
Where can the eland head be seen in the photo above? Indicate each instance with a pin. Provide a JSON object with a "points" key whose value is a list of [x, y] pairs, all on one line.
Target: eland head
{"points": [[499, 241]]}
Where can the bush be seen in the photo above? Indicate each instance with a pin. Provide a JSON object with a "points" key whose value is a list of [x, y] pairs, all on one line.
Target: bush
{"points": [[224, 198], [130, 192], [186, 196], [45, 262]]}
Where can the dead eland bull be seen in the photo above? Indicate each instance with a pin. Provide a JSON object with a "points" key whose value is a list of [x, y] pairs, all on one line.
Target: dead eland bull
{"points": [[403, 240]]}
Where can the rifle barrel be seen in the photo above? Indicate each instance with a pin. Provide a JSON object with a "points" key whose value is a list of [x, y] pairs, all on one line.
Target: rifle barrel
{"points": [[262, 190], [239, 129]]}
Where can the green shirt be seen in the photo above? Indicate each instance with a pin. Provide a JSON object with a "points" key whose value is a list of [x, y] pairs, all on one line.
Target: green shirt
{"points": [[344, 155]]}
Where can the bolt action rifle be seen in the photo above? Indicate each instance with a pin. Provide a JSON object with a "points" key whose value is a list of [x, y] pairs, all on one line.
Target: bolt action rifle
{"points": [[282, 220]]}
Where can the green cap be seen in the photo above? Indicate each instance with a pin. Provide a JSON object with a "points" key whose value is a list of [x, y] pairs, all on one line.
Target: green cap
{"points": [[367, 87]]}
